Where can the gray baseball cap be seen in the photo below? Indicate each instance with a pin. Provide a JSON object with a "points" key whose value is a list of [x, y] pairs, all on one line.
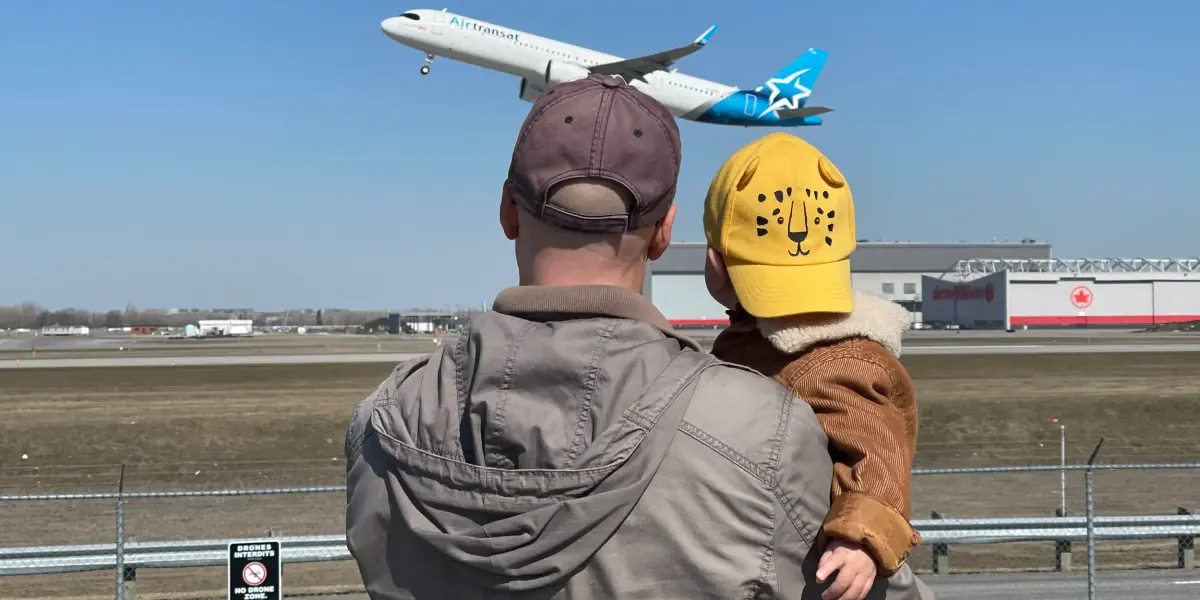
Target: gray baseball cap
{"points": [[596, 128]]}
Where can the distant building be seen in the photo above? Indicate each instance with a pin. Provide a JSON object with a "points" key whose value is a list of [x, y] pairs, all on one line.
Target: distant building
{"points": [[422, 322], [225, 328], [1096, 292], [893, 270], [64, 331], [380, 325]]}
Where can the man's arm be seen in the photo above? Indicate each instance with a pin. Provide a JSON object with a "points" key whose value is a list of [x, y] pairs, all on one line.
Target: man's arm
{"points": [[801, 490], [802, 496]]}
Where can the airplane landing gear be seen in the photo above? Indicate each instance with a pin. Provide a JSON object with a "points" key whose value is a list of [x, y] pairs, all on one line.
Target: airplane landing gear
{"points": [[428, 62]]}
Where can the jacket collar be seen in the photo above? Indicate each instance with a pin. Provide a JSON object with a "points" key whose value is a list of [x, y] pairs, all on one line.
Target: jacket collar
{"points": [[874, 318], [583, 301]]}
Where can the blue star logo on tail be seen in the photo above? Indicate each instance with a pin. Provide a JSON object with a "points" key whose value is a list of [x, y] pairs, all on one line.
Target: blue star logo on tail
{"points": [[775, 102]]}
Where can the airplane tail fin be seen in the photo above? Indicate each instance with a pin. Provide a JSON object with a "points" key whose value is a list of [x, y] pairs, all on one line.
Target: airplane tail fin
{"points": [[799, 76]]}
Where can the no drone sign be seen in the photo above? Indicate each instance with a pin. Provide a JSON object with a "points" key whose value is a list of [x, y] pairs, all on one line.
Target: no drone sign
{"points": [[254, 571]]}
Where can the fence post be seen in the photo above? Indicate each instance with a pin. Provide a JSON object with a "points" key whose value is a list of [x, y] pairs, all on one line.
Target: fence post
{"points": [[1187, 546], [1062, 550], [121, 535], [1062, 462], [941, 553], [1091, 522], [129, 576]]}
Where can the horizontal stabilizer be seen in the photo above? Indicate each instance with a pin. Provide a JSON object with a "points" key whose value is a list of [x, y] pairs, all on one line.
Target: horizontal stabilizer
{"points": [[803, 111]]}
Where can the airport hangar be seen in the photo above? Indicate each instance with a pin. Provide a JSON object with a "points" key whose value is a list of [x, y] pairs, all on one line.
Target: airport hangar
{"points": [[893, 270], [1098, 292], [971, 286]]}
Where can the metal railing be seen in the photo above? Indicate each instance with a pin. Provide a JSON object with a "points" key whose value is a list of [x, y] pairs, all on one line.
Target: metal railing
{"points": [[305, 549], [46, 560]]}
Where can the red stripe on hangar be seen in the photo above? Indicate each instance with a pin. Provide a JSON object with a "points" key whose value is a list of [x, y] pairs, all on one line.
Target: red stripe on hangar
{"points": [[1103, 320], [697, 322]]}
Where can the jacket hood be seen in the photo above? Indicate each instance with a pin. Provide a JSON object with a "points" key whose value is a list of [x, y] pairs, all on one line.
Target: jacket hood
{"points": [[875, 318], [518, 451]]}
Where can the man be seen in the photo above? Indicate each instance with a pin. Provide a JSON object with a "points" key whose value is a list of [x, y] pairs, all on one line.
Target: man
{"points": [[570, 444]]}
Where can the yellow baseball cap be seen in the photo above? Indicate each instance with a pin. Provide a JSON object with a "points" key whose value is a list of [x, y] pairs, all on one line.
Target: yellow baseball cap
{"points": [[783, 218]]}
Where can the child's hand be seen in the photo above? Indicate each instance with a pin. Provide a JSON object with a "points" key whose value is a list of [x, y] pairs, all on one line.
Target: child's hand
{"points": [[856, 571]]}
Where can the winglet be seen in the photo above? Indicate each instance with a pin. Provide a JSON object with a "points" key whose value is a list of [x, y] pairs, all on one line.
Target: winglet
{"points": [[704, 37]]}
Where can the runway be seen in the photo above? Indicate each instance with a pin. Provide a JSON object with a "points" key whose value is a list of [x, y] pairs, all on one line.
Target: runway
{"points": [[1125, 585], [1074, 348], [385, 357], [1142, 585], [193, 361]]}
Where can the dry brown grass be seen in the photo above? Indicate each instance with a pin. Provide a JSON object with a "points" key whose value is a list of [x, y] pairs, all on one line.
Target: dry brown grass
{"points": [[153, 346], [262, 426]]}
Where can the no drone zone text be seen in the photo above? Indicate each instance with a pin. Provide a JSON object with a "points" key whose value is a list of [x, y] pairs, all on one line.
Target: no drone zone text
{"points": [[484, 29]]}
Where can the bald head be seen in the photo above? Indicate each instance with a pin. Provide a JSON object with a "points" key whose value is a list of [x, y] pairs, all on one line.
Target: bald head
{"points": [[548, 255]]}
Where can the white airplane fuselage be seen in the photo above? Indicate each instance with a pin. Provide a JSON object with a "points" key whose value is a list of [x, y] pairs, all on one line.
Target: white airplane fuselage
{"points": [[541, 62]]}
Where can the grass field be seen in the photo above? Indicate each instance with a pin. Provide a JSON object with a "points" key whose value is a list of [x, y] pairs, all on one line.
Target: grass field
{"points": [[262, 426], [25, 348]]}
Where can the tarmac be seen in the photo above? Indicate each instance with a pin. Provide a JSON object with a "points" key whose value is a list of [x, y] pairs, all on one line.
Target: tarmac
{"points": [[385, 357], [1140, 585], [1074, 348]]}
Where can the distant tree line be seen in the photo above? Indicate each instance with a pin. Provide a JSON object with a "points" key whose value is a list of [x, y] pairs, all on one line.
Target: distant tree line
{"points": [[34, 316]]}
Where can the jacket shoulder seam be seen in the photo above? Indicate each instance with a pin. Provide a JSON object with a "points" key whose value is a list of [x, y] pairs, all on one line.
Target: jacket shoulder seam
{"points": [[355, 443], [499, 418], [591, 383], [787, 399], [789, 508], [783, 414], [360, 428], [460, 388], [768, 560], [360, 420], [759, 473], [726, 451]]}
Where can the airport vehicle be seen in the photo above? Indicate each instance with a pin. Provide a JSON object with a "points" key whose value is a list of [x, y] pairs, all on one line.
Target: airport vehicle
{"points": [[542, 62]]}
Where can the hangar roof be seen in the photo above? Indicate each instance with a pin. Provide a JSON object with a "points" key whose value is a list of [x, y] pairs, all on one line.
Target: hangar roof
{"points": [[876, 257]]}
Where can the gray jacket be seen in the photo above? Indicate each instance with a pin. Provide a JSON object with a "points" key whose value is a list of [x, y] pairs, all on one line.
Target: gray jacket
{"points": [[571, 445]]}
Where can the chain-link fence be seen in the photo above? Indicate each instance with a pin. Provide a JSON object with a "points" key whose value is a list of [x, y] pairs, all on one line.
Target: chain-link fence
{"points": [[77, 507], [68, 507], [1045, 477]]}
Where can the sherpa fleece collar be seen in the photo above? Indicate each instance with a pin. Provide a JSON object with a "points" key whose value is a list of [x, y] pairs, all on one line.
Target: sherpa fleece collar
{"points": [[875, 318]]}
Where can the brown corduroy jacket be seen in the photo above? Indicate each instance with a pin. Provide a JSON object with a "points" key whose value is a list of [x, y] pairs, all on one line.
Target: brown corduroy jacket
{"points": [[848, 371]]}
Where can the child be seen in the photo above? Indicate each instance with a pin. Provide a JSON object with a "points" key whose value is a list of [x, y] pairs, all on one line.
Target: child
{"points": [[779, 220]]}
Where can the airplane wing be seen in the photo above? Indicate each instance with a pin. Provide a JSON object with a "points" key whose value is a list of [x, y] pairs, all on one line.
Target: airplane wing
{"points": [[801, 112], [637, 68]]}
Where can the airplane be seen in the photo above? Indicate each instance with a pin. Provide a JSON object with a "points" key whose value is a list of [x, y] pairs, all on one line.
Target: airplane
{"points": [[542, 63]]}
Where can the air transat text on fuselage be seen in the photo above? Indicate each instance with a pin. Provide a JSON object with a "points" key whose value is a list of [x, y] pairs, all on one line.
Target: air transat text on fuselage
{"points": [[484, 29]]}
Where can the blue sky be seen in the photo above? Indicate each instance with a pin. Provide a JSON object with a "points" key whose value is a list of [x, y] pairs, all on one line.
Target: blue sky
{"points": [[281, 154]]}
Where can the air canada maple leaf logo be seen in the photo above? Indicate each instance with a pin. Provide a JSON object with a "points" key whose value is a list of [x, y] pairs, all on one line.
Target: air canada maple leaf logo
{"points": [[1081, 297]]}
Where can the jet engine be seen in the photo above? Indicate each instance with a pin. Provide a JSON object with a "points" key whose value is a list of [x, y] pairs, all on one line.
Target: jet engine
{"points": [[558, 72], [530, 90]]}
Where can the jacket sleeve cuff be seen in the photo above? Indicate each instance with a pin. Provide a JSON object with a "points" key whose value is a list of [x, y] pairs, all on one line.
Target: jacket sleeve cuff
{"points": [[859, 518]]}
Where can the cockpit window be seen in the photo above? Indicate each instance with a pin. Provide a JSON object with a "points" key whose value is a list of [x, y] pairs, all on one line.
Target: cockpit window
{"points": [[413, 16]]}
